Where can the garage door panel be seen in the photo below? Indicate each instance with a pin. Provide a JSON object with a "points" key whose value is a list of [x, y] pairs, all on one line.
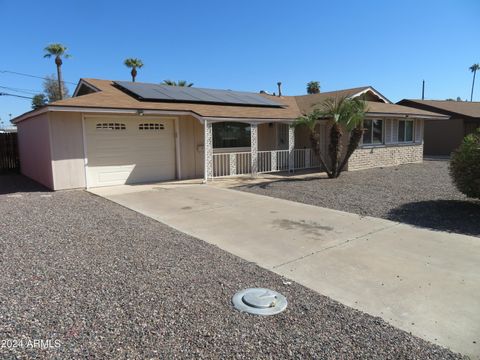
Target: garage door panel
{"points": [[129, 150], [108, 176]]}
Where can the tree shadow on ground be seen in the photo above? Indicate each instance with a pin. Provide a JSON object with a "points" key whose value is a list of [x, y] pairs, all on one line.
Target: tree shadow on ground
{"points": [[266, 184], [446, 215], [16, 183]]}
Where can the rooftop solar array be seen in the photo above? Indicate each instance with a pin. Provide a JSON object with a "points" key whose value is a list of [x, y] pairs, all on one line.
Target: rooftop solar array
{"points": [[157, 92]]}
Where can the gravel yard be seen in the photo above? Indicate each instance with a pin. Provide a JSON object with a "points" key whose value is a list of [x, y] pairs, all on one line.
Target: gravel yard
{"points": [[418, 194], [106, 282]]}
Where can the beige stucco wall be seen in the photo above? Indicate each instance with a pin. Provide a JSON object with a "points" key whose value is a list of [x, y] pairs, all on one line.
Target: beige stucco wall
{"points": [[34, 149], [59, 164], [191, 150], [267, 136], [67, 150]]}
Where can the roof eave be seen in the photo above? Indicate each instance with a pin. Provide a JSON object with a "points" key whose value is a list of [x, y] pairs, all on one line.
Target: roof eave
{"points": [[430, 107], [404, 115]]}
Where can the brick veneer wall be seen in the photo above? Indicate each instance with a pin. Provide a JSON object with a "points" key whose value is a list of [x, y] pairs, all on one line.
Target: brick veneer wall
{"points": [[387, 155]]}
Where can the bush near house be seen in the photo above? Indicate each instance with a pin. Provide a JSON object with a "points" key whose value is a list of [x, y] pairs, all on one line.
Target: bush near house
{"points": [[465, 166]]}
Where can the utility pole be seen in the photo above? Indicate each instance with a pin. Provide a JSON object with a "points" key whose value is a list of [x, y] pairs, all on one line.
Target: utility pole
{"points": [[423, 90]]}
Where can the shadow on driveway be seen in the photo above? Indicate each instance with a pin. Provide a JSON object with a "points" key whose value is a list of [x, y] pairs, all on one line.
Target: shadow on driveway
{"points": [[16, 183], [446, 215]]}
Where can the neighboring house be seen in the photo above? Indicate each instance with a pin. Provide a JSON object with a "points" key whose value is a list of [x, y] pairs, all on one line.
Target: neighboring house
{"points": [[112, 133], [442, 137]]}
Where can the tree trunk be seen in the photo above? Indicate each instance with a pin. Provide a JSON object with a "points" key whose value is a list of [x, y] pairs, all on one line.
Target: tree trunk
{"points": [[58, 62], [473, 85], [335, 148], [315, 141], [134, 74], [355, 138]]}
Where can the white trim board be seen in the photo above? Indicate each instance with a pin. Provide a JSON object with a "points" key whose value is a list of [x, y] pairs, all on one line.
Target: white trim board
{"points": [[105, 111]]}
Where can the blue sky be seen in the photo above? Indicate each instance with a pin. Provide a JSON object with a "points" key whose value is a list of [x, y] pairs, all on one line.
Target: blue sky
{"points": [[247, 45]]}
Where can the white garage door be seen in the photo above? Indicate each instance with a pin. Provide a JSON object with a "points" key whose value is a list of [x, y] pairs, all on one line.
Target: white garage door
{"points": [[124, 150]]}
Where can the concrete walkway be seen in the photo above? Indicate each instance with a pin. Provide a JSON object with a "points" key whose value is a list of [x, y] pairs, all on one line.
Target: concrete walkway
{"points": [[424, 282]]}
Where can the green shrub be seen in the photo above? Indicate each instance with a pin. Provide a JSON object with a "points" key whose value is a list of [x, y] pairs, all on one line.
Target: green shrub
{"points": [[465, 166]]}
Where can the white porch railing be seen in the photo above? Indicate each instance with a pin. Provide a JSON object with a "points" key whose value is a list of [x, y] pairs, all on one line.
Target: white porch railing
{"points": [[272, 161], [239, 163], [231, 164]]}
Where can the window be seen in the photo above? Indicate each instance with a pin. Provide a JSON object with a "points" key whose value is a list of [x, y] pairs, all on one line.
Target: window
{"points": [[230, 135], [110, 126], [405, 131], [373, 132], [151, 126]]}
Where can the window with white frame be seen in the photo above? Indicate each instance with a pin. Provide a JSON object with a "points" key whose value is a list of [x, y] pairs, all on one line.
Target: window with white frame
{"points": [[110, 126], [405, 131], [373, 134], [151, 126]]}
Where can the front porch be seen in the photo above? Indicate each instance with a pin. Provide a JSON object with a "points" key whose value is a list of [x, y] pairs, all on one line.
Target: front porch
{"points": [[271, 148]]}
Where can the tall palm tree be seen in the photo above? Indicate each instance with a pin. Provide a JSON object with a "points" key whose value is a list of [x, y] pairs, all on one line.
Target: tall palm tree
{"points": [[343, 114], [177, 83], [58, 51], [473, 69], [313, 87], [134, 64]]}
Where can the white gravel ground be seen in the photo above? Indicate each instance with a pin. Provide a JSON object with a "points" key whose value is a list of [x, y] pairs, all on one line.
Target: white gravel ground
{"points": [[418, 194], [106, 282]]}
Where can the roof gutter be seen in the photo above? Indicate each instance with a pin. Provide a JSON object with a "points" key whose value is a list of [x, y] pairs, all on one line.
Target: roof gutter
{"points": [[103, 111], [406, 116], [248, 120], [140, 112]]}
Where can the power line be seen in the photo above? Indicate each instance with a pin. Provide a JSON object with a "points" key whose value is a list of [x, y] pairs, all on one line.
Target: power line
{"points": [[20, 90], [32, 76], [20, 96]]}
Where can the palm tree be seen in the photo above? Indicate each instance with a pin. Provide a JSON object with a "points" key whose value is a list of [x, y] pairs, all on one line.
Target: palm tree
{"points": [[177, 83], [473, 69], [134, 64], [59, 51], [343, 114], [313, 87]]}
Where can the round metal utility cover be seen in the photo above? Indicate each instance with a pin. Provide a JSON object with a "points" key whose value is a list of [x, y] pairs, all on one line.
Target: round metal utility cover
{"points": [[259, 301]]}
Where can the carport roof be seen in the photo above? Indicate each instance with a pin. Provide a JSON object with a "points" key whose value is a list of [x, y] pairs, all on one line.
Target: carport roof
{"points": [[463, 108], [105, 95]]}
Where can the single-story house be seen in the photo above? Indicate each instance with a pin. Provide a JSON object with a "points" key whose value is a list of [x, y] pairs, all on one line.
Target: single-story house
{"points": [[442, 137], [115, 132]]}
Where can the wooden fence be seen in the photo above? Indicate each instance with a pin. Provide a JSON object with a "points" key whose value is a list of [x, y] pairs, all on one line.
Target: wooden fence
{"points": [[9, 160]]}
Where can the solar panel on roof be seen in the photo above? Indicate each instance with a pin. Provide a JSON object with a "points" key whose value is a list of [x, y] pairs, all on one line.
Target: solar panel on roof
{"points": [[157, 92]]}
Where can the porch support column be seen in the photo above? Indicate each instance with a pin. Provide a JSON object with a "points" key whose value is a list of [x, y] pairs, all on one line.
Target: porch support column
{"points": [[208, 148], [273, 160], [254, 148], [232, 159], [291, 146]]}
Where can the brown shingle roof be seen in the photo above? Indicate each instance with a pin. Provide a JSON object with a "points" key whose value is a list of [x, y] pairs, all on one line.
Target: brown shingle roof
{"points": [[394, 109], [111, 97], [470, 109], [306, 103]]}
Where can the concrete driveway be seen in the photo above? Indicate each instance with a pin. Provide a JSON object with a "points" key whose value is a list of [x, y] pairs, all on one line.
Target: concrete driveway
{"points": [[424, 282]]}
